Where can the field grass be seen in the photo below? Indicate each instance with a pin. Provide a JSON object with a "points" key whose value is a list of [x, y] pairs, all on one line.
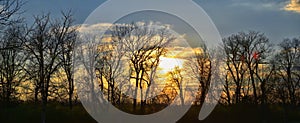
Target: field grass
{"points": [[58, 113], [249, 114]]}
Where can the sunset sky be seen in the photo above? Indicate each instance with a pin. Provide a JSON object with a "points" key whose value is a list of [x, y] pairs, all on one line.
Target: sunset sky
{"points": [[278, 19]]}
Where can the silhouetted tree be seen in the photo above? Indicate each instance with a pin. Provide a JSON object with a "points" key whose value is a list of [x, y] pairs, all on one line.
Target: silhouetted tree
{"points": [[144, 44], [245, 53], [65, 33], [8, 9], [235, 64], [287, 69], [9, 50], [177, 79], [43, 44], [109, 65], [12, 60], [200, 66]]}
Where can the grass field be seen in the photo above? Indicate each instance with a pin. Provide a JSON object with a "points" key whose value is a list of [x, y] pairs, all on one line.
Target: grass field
{"points": [[58, 113]]}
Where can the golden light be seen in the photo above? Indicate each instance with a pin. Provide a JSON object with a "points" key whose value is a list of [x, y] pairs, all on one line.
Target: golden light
{"points": [[168, 64], [294, 5]]}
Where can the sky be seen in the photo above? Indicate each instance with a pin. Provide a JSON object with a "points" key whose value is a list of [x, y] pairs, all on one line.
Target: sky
{"points": [[278, 19]]}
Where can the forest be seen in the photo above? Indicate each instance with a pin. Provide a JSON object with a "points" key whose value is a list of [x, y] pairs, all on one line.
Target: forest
{"points": [[47, 67]]}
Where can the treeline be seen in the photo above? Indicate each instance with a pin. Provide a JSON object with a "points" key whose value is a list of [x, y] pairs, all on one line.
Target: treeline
{"points": [[31, 55], [36, 63], [259, 72]]}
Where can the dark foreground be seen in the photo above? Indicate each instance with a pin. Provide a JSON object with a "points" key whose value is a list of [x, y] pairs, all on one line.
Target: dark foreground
{"points": [[58, 113]]}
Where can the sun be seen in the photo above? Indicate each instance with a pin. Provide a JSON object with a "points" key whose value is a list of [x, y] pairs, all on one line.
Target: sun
{"points": [[168, 64]]}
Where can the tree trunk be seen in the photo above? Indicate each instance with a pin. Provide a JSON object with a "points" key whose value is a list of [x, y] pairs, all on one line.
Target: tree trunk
{"points": [[36, 93], [136, 90], [237, 94], [253, 83], [70, 100], [43, 114]]}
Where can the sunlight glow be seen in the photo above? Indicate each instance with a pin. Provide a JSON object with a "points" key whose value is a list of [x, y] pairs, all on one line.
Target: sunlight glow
{"points": [[294, 5], [168, 64]]}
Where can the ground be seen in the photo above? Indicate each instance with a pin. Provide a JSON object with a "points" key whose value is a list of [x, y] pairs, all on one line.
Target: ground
{"points": [[60, 113]]}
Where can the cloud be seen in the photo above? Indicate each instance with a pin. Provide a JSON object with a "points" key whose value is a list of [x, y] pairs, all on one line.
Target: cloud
{"points": [[286, 5], [259, 5], [183, 53], [294, 6], [85, 28]]}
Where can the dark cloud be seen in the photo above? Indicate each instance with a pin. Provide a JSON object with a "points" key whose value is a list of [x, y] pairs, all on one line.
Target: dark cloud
{"points": [[273, 17]]}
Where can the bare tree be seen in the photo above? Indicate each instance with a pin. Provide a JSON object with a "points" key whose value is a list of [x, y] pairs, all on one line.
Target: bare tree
{"points": [[144, 45], [177, 79], [86, 66], [234, 64], [264, 76], [43, 43], [287, 68], [255, 50], [245, 53], [109, 62], [227, 89], [9, 8], [200, 66], [65, 33], [12, 61], [8, 50]]}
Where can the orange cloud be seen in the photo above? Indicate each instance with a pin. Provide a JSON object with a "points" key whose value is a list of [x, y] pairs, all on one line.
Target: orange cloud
{"points": [[294, 5]]}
